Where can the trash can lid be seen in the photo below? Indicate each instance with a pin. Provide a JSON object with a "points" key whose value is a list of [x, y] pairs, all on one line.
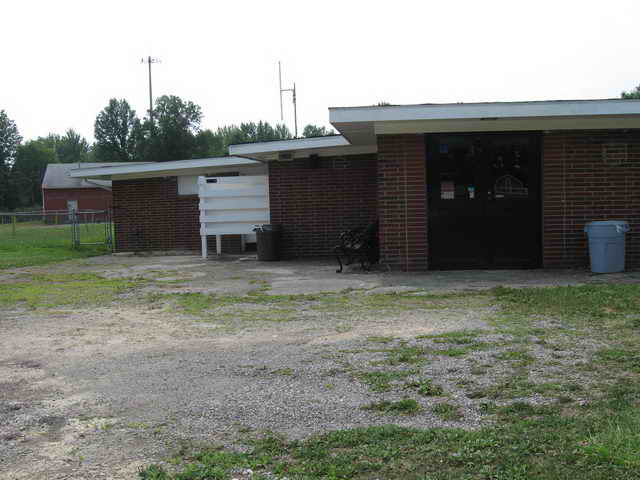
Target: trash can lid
{"points": [[620, 225]]}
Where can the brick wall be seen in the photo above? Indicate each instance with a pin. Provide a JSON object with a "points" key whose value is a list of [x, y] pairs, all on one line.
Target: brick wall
{"points": [[148, 214], [588, 176], [88, 198], [402, 201], [315, 202]]}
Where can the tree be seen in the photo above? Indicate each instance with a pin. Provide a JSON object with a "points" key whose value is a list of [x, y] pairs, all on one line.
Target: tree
{"points": [[116, 129], [632, 95], [28, 170], [9, 140], [216, 144], [72, 147], [172, 132], [316, 131]]}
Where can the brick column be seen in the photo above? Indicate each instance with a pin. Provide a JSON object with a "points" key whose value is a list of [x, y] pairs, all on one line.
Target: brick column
{"points": [[402, 202]]}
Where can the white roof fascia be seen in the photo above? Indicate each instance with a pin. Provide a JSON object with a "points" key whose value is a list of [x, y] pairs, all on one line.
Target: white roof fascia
{"points": [[160, 167], [457, 111], [248, 149]]}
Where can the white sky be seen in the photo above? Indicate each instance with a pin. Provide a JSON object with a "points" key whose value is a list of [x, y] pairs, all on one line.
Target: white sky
{"points": [[62, 60]]}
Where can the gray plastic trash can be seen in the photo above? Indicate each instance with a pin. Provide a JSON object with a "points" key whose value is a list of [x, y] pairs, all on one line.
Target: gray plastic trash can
{"points": [[606, 245]]}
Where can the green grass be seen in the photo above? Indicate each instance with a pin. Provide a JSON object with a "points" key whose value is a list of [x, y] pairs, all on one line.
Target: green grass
{"points": [[49, 291], [447, 411], [381, 380], [598, 442], [425, 387], [406, 406], [596, 302], [37, 244]]}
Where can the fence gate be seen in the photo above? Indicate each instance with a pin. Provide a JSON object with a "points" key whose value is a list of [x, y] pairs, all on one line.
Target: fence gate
{"points": [[232, 206], [91, 227]]}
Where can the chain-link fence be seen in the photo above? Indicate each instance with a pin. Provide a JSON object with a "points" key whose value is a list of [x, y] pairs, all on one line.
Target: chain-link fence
{"points": [[57, 228]]}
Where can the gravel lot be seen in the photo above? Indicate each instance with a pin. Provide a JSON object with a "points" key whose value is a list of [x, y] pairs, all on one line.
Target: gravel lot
{"points": [[98, 391]]}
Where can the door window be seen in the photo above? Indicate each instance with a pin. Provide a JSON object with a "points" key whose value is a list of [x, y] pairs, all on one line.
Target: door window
{"points": [[457, 169]]}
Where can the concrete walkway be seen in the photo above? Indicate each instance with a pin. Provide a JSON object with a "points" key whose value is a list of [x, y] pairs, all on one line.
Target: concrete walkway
{"points": [[237, 275]]}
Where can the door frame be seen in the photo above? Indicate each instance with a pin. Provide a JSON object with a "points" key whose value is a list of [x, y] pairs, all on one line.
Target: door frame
{"points": [[432, 139]]}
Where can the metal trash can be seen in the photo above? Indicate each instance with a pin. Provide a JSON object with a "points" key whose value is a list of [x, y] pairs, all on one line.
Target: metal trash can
{"points": [[268, 239], [607, 245]]}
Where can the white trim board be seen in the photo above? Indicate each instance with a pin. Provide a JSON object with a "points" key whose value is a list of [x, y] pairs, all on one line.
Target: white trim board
{"points": [[146, 170]]}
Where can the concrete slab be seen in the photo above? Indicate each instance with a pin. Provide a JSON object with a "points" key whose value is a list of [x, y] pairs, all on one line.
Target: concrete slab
{"points": [[237, 275]]}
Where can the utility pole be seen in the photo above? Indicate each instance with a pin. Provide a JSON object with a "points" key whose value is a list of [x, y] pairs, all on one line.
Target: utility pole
{"points": [[149, 61], [293, 91]]}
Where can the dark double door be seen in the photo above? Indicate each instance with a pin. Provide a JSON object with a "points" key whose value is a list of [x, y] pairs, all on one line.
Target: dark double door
{"points": [[483, 194]]}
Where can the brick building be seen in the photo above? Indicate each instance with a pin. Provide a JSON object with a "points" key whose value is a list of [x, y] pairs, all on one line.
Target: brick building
{"points": [[486, 185], [156, 205]]}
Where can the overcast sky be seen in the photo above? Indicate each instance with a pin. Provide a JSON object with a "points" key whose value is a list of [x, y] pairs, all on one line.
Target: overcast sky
{"points": [[62, 61]]}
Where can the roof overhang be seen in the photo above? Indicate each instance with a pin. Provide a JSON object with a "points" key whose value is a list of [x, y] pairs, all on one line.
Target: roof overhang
{"points": [[360, 125], [161, 169], [333, 145]]}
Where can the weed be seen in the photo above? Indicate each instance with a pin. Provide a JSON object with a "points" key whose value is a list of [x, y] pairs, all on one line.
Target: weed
{"points": [[406, 406], [425, 387], [447, 411], [380, 381], [51, 291], [374, 339]]}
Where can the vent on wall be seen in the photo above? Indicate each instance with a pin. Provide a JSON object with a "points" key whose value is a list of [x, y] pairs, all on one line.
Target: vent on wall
{"points": [[615, 153]]}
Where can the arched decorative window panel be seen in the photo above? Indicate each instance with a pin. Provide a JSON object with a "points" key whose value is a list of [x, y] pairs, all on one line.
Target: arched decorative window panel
{"points": [[510, 186]]}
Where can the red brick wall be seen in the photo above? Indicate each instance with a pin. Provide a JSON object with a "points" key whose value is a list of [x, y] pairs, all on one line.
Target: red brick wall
{"points": [[148, 214], [402, 201], [88, 198], [581, 185], [314, 205]]}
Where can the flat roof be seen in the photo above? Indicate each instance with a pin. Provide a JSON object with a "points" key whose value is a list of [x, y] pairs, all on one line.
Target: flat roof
{"points": [[360, 125], [330, 145], [57, 176], [160, 169]]}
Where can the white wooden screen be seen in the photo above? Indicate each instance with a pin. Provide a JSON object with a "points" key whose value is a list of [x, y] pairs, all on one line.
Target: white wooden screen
{"points": [[231, 206]]}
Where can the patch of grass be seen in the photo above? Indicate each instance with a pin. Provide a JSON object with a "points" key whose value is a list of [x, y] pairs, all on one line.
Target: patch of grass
{"points": [[425, 387], [522, 357], [406, 354], [627, 359], [374, 339], [616, 443], [380, 381], [38, 244], [574, 302], [406, 406], [527, 442], [447, 411], [287, 372], [455, 336], [50, 291], [519, 386]]}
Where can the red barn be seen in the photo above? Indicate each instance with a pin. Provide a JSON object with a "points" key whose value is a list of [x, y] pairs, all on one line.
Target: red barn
{"points": [[62, 192]]}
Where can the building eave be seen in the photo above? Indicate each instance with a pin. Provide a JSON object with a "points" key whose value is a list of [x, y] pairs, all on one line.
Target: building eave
{"points": [[160, 169]]}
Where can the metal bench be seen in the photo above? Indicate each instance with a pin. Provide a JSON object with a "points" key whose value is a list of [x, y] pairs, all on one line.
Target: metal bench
{"points": [[359, 244]]}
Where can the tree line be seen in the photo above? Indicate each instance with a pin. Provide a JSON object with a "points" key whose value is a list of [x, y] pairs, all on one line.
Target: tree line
{"points": [[171, 132]]}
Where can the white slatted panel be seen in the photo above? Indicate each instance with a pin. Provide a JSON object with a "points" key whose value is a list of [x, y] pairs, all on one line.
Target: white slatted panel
{"points": [[232, 205]]}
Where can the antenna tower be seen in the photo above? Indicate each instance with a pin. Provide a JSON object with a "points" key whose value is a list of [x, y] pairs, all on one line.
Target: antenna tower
{"points": [[293, 91]]}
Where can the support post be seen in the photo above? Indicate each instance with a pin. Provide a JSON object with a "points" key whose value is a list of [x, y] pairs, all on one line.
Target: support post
{"points": [[205, 253], [13, 225], [219, 244]]}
